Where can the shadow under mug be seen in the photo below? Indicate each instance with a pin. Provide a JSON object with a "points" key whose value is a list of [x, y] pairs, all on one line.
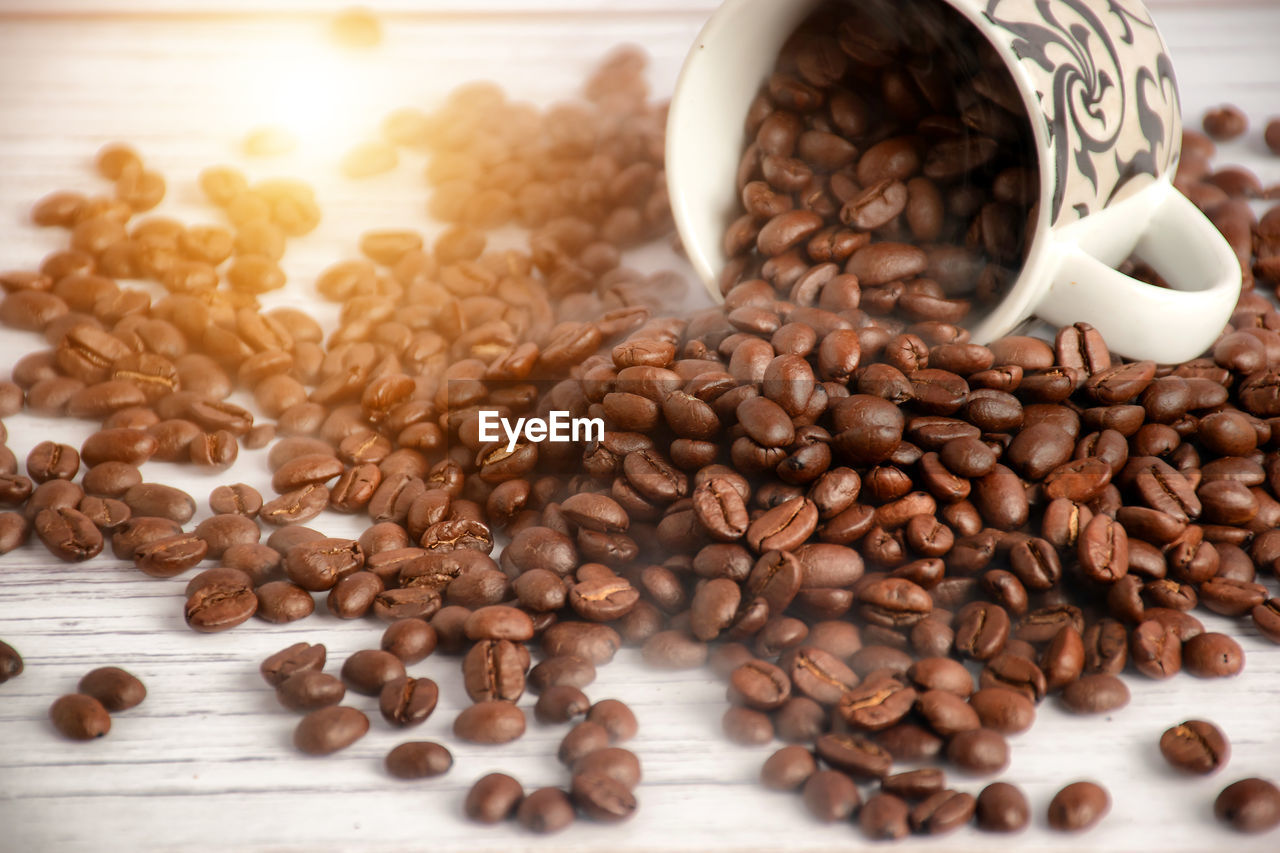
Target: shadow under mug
{"points": [[1095, 79]]}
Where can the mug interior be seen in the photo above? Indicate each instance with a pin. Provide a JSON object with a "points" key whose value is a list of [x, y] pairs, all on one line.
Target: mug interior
{"points": [[732, 57]]}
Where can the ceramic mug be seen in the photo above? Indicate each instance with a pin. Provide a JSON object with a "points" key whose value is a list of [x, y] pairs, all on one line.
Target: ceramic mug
{"points": [[1096, 80]]}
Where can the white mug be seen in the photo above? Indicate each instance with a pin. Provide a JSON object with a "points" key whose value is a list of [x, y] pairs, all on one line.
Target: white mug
{"points": [[1095, 77]]}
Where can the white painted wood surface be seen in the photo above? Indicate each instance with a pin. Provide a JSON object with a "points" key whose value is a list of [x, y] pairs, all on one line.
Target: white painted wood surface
{"points": [[206, 763]]}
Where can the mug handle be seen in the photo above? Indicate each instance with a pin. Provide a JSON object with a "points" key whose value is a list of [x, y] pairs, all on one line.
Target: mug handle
{"points": [[1140, 320]]}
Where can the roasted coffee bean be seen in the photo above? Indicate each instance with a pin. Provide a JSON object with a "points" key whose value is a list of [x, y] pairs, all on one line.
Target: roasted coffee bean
{"points": [[1250, 805], [369, 670], [418, 760], [300, 657], [760, 685], [820, 675], [309, 690], [238, 499], [1212, 655], [411, 639], [80, 717], [1078, 806], [49, 460], [830, 795], [317, 565], [788, 769], [10, 662], [494, 669], [157, 500], [942, 812], [747, 727], [116, 689], [493, 721], [978, 751], [219, 607], [68, 534], [1001, 807], [560, 703], [327, 730], [297, 506], [981, 631], [171, 555], [354, 595], [583, 739], [1003, 710], [406, 701], [616, 717], [884, 817], [1099, 693], [946, 713], [545, 811], [1156, 649], [493, 798], [283, 601], [855, 755], [1195, 747]]}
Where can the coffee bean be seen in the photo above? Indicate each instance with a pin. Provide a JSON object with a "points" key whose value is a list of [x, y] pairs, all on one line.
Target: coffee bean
{"points": [[410, 639], [493, 798], [49, 460], [219, 607], [884, 817], [760, 685], [1212, 655], [602, 798], [300, 657], [407, 701], [494, 669], [1225, 122], [116, 689], [418, 760], [560, 703], [1250, 805], [238, 498], [80, 717], [368, 671], [545, 811], [493, 721], [296, 507], [788, 769], [170, 555], [327, 730], [1195, 747], [160, 501], [1078, 806], [1156, 649], [308, 690], [1001, 807], [68, 534], [582, 740], [618, 719], [283, 601], [979, 751], [942, 812], [10, 662], [1099, 693], [612, 762]]}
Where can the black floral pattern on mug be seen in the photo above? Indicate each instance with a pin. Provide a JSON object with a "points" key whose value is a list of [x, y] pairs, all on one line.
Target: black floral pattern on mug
{"points": [[1107, 93]]}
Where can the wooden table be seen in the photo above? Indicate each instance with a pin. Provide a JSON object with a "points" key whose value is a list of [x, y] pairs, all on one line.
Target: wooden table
{"points": [[206, 762]]}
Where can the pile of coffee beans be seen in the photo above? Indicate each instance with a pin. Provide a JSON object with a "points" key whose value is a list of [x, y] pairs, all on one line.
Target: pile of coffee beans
{"points": [[891, 543]]}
